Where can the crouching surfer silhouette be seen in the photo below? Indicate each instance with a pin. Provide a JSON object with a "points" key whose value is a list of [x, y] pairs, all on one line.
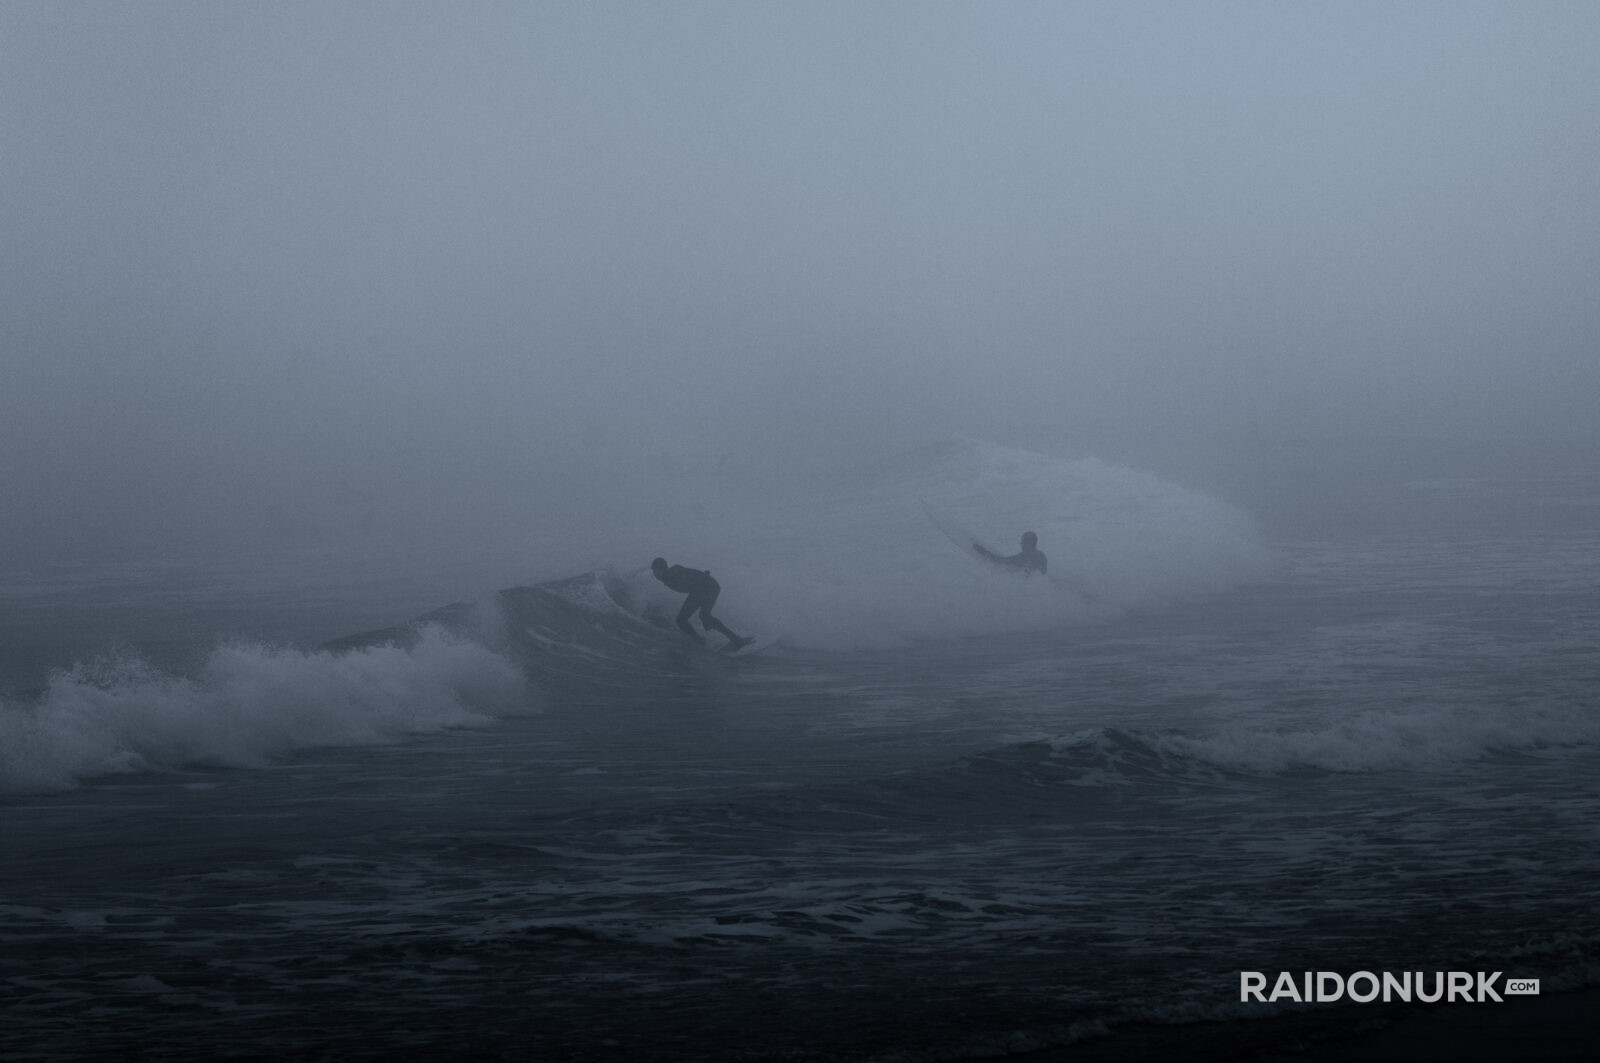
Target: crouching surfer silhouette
{"points": [[702, 591], [1031, 559]]}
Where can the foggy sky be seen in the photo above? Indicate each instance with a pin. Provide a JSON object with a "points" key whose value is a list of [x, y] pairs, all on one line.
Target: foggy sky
{"points": [[280, 264]]}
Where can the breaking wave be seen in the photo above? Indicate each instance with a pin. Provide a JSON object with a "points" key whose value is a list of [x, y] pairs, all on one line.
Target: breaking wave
{"points": [[867, 562], [246, 706]]}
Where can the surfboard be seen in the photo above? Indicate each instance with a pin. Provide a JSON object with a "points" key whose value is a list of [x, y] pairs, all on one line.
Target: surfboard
{"points": [[969, 544], [751, 646], [952, 531]]}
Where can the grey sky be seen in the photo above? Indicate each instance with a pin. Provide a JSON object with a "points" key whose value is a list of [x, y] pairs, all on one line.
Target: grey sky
{"points": [[260, 254]]}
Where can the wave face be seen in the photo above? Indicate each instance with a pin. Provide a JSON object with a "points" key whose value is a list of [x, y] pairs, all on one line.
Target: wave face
{"points": [[868, 561], [859, 562]]}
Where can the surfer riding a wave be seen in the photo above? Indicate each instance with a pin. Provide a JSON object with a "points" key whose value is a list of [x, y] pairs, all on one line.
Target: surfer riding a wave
{"points": [[702, 593]]}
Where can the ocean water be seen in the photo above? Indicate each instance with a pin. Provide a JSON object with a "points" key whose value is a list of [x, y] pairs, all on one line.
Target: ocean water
{"points": [[952, 813]]}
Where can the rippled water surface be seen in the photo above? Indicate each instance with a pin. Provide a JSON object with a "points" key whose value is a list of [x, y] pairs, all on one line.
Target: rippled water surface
{"points": [[1384, 758]]}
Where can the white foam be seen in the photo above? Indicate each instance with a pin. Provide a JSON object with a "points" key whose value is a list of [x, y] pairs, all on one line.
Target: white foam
{"points": [[247, 705]]}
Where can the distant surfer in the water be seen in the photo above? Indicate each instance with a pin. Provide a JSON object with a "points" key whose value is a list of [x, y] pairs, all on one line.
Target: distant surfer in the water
{"points": [[1031, 559], [702, 591]]}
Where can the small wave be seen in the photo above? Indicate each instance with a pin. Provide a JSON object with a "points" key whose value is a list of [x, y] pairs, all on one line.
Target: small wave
{"points": [[247, 705], [1384, 740], [1109, 760], [1082, 769], [1371, 741], [1106, 757]]}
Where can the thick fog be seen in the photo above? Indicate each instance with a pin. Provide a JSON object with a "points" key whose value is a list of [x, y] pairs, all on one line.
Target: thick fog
{"points": [[435, 272]]}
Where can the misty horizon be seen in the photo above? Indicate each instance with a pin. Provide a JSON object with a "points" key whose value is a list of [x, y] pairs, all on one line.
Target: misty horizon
{"points": [[440, 271]]}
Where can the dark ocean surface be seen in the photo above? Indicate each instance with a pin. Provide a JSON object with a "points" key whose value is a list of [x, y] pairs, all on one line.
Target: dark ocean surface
{"points": [[951, 814]]}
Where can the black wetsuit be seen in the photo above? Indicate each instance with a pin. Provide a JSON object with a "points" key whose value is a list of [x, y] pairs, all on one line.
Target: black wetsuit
{"points": [[1028, 561], [702, 591]]}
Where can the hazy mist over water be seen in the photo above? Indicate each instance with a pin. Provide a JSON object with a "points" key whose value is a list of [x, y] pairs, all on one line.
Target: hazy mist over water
{"points": [[357, 357], [479, 276]]}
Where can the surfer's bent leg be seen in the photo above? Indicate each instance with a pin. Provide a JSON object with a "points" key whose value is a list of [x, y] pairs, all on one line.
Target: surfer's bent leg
{"points": [[705, 601], [690, 604], [711, 623]]}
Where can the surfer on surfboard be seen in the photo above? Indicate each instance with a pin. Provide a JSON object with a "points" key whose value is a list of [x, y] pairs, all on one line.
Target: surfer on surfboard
{"points": [[1031, 559], [702, 591]]}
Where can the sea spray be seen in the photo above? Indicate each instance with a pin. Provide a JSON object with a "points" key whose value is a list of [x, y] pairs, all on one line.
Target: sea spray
{"points": [[854, 561], [247, 705]]}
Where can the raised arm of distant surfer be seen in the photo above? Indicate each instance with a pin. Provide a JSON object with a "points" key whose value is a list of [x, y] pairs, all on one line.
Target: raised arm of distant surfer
{"points": [[702, 593], [1031, 559]]}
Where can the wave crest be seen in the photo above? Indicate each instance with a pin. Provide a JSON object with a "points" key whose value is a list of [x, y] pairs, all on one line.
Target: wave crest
{"points": [[247, 705]]}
